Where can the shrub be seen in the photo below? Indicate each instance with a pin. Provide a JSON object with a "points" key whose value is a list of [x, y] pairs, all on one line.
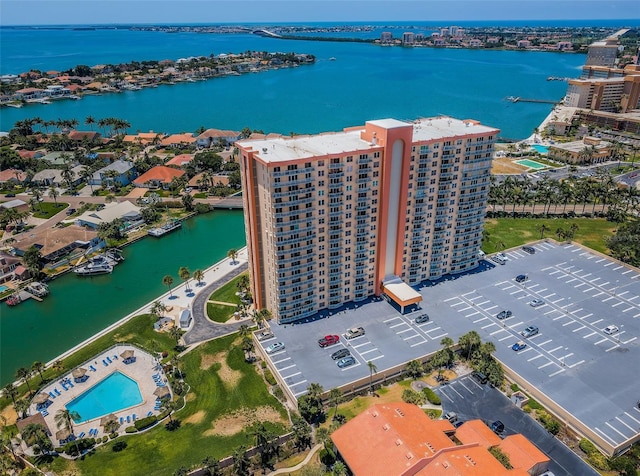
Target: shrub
{"points": [[327, 457], [411, 396], [500, 456], [431, 396], [82, 444], [131, 429], [268, 376], [119, 446], [263, 364], [514, 387], [279, 394], [433, 413], [145, 422], [534, 405], [550, 424], [586, 446], [113, 435]]}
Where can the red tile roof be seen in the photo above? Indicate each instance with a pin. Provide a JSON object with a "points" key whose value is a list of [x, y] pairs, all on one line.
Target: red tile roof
{"points": [[180, 160], [10, 174], [522, 453], [175, 139], [159, 173]]}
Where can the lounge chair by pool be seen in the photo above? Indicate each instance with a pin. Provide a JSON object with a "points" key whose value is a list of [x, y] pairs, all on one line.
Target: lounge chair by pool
{"points": [[81, 435], [128, 419], [121, 420], [70, 384], [52, 395], [92, 368], [115, 357], [133, 417], [150, 413], [57, 391], [109, 360], [104, 362]]}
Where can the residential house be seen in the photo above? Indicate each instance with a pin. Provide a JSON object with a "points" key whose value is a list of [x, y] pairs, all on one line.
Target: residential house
{"points": [[31, 154], [120, 171], [143, 138], [48, 177], [216, 136], [12, 176], [126, 210], [79, 136], [8, 266], [29, 93], [180, 160], [158, 177], [400, 439], [57, 158], [178, 140]]}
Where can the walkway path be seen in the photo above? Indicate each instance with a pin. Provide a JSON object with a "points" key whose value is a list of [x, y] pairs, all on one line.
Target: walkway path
{"points": [[299, 465]]}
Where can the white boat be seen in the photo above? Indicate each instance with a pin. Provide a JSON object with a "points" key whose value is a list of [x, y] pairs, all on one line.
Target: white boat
{"points": [[166, 228], [37, 289], [96, 265]]}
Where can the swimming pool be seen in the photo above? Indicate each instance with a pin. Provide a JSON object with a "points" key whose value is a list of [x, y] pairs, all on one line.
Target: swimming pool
{"points": [[112, 394], [543, 149], [3, 288], [531, 164]]}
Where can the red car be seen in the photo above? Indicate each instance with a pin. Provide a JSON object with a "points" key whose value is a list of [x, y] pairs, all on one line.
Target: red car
{"points": [[328, 340]]}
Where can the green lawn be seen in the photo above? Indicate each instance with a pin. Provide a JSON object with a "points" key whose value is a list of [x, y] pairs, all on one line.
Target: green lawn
{"points": [[48, 209], [161, 452], [227, 293], [219, 312], [511, 232]]}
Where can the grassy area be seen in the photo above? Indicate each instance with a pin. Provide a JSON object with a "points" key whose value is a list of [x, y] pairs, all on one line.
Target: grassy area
{"points": [[48, 209], [223, 386], [219, 312], [227, 293], [592, 232]]}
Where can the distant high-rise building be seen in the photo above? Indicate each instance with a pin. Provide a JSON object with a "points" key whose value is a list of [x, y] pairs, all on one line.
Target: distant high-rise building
{"points": [[337, 217], [603, 53], [386, 37], [408, 38]]}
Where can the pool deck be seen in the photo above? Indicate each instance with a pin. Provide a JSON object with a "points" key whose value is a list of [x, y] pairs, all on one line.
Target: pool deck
{"points": [[142, 371]]}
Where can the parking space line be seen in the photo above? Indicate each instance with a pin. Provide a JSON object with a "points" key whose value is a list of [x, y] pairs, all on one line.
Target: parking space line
{"points": [[367, 351], [549, 312], [623, 293], [577, 363], [630, 340], [602, 285], [569, 323], [534, 358], [612, 348], [610, 263], [588, 315], [614, 442], [440, 336], [578, 329], [596, 295], [556, 373], [557, 301], [481, 303], [490, 308], [360, 345], [396, 325], [628, 309], [601, 260], [418, 343], [298, 383], [289, 376], [608, 299], [552, 351], [589, 335], [281, 360], [392, 319], [583, 277], [571, 280], [450, 299], [516, 324], [461, 383], [412, 337], [616, 430], [285, 368], [473, 314], [617, 268], [545, 365], [637, 315], [504, 338], [458, 303], [498, 331], [448, 397], [545, 342], [565, 356], [465, 308], [595, 322], [628, 271], [625, 424], [548, 295], [601, 341], [376, 358], [619, 303]]}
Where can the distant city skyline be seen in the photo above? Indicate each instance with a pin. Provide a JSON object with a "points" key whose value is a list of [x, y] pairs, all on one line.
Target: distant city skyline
{"points": [[78, 12]]}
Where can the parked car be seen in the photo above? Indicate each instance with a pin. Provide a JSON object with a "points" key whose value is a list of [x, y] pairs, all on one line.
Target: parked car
{"points": [[610, 330], [422, 318], [458, 424], [71, 211], [10, 195], [506, 314], [264, 335], [451, 416], [536, 302], [518, 346], [498, 259], [529, 249], [480, 377], [340, 354], [530, 331], [497, 427], [354, 332], [328, 340], [275, 347], [346, 362], [521, 278]]}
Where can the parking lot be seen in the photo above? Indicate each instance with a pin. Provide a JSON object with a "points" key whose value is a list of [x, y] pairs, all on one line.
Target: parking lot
{"points": [[470, 400], [590, 374]]}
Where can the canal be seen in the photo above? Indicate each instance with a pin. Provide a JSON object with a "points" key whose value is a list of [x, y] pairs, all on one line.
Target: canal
{"points": [[78, 308]]}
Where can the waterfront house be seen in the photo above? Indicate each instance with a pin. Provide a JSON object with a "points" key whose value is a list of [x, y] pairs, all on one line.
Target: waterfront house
{"points": [[178, 140], [120, 171], [8, 266], [158, 177], [143, 138], [79, 136], [125, 210], [26, 94], [217, 137], [57, 91]]}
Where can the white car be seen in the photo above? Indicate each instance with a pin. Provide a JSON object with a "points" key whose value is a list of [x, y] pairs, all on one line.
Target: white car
{"points": [[536, 302], [274, 347], [610, 330]]}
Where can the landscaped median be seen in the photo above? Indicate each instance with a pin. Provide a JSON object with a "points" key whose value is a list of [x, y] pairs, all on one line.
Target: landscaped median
{"points": [[225, 301]]}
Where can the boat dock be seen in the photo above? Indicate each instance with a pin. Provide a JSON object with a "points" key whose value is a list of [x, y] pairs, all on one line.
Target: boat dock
{"points": [[33, 290], [515, 99], [166, 228]]}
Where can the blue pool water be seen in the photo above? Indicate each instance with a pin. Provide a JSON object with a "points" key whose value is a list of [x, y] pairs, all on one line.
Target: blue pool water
{"points": [[543, 149], [114, 393], [3, 288]]}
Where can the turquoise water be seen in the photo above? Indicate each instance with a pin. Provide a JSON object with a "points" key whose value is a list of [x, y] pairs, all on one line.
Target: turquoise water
{"points": [[365, 82], [531, 164], [3, 288], [543, 149], [78, 308], [110, 395]]}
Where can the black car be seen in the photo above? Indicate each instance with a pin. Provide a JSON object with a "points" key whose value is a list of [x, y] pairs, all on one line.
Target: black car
{"points": [[480, 377], [529, 249], [340, 354], [10, 195], [521, 278], [497, 427], [506, 314]]}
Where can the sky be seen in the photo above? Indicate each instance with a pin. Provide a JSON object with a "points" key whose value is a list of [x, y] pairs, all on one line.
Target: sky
{"points": [[64, 12]]}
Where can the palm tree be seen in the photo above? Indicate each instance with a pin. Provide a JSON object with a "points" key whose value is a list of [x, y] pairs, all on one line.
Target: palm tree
{"points": [[185, 275], [35, 435], [211, 466], [542, 228], [335, 398], [9, 390], [21, 407], [372, 369], [233, 254], [168, 281], [176, 333], [57, 365], [198, 275], [339, 469], [264, 440], [38, 366], [414, 369], [90, 121], [158, 308], [168, 406], [24, 374], [470, 341], [241, 462], [53, 193], [63, 418]]}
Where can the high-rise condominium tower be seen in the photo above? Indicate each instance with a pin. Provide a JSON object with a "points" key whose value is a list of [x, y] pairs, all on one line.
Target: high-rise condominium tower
{"points": [[333, 218]]}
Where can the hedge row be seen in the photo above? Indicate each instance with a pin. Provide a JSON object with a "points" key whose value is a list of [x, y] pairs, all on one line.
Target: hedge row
{"points": [[431, 396], [145, 422]]}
